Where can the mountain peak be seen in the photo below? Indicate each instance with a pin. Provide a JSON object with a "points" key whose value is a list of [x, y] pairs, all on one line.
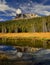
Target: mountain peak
{"points": [[25, 16]]}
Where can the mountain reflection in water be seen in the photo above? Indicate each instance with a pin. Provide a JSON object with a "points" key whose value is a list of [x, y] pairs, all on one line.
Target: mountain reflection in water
{"points": [[40, 57]]}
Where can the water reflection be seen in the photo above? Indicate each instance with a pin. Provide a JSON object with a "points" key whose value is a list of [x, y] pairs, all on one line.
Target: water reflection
{"points": [[11, 53], [40, 57]]}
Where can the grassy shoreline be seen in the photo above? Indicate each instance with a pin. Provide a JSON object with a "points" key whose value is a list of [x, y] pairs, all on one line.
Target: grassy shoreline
{"points": [[26, 35], [37, 40]]}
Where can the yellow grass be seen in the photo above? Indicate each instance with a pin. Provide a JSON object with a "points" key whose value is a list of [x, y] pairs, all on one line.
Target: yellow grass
{"points": [[21, 35]]}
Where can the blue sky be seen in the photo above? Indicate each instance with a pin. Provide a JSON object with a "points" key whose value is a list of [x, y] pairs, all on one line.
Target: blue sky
{"points": [[8, 8]]}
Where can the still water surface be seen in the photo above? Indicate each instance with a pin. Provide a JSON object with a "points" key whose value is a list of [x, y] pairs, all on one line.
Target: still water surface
{"points": [[40, 57]]}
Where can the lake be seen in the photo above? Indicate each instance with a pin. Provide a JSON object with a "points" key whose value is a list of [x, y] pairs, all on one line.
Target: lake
{"points": [[9, 55]]}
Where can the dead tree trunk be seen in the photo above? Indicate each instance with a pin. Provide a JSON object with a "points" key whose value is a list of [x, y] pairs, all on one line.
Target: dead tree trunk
{"points": [[44, 26]]}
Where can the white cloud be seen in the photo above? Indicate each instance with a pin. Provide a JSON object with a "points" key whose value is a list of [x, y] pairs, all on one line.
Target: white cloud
{"points": [[4, 7], [36, 8], [27, 8], [1, 19], [44, 13], [42, 9]]}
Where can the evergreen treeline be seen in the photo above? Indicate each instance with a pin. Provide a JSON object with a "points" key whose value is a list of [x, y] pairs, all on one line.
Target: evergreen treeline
{"points": [[39, 24]]}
